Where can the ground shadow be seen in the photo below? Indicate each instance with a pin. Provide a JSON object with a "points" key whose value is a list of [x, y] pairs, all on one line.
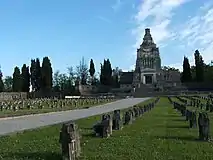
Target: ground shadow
{"points": [[33, 156], [179, 120], [187, 138], [172, 115], [183, 126], [86, 128], [91, 135]]}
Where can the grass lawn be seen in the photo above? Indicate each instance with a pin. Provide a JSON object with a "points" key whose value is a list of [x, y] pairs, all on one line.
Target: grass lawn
{"points": [[158, 135], [10, 113]]}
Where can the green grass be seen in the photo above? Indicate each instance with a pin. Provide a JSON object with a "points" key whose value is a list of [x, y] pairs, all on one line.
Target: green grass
{"points": [[160, 134], [11, 113]]}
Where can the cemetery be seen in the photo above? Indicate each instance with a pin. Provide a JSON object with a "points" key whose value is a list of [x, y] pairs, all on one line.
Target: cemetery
{"points": [[10, 108], [152, 112], [169, 127]]}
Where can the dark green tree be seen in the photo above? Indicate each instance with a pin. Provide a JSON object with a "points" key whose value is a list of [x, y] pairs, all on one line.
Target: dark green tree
{"points": [[186, 74], [92, 70], [199, 66], [17, 80], [8, 84], [25, 75], [106, 73], [1, 82], [46, 74], [102, 74], [38, 75], [208, 73], [33, 75]]}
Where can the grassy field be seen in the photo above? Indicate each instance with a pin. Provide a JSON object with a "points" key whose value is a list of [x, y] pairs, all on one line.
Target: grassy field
{"points": [[11, 113], [158, 135]]}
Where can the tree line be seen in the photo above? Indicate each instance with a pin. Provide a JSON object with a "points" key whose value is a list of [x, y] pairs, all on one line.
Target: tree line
{"points": [[200, 72], [40, 77]]}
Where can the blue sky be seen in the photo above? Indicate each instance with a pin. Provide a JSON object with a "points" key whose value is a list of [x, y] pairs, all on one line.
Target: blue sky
{"points": [[67, 30]]}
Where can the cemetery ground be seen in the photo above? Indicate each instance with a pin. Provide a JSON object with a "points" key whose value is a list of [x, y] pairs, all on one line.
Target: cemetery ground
{"points": [[160, 134], [29, 107]]}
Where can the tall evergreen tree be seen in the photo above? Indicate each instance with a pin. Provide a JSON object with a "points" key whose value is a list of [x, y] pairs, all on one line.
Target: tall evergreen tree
{"points": [[25, 78], [106, 73], [38, 74], [199, 66], [103, 73], [33, 75], [115, 77], [186, 75], [46, 74], [17, 80], [92, 70], [109, 72], [1, 82]]}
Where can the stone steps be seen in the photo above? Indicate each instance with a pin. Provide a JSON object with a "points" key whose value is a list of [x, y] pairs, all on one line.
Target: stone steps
{"points": [[144, 90]]}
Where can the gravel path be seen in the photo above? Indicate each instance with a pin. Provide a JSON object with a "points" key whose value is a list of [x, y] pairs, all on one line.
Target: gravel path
{"points": [[17, 124]]}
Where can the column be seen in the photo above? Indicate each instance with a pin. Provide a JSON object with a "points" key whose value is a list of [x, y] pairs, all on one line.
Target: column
{"points": [[154, 78], [144, 79]]}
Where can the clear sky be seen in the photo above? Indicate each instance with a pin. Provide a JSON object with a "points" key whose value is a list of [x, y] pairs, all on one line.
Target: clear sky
{"points": [[66, 30]]}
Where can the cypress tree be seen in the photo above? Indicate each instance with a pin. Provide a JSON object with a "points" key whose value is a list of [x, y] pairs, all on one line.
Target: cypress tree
{"points": [[25, 78], [106, 73], [186, 75], [17, 80], [33, 75], [1, 82], [38, 74], [46, 74], [92, 70], [199, 66]]}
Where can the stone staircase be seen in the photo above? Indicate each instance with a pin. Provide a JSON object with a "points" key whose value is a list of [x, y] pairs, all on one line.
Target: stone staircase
{"points": [[145, 90], [148, 90]]}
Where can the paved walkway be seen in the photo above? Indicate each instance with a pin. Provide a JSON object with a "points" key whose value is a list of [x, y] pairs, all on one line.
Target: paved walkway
{"points": [[17, 124]]}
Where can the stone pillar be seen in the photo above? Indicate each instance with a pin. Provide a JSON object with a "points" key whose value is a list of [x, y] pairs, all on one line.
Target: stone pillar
{"points": [[154, 78], [144, 79], [70, 141]]}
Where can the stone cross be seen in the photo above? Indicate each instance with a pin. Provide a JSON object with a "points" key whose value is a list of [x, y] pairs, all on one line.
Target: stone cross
{"points": [[193, 120], [103, 128], [117, 121], [203, 124], [70, 141], [128, 118]]}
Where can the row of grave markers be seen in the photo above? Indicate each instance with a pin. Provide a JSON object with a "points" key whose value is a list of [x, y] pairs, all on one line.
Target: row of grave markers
{"points": [[117, 121], [202, 121], [30, 104], [70, 136]]}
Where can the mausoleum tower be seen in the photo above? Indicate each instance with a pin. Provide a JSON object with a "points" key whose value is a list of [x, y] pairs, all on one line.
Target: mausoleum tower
{"points": [[148, 62]]}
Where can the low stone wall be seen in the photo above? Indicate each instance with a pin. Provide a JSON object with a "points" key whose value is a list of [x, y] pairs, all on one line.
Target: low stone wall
{"points": [[195, 86], [45, 95], [92, 89], [13, 95]]}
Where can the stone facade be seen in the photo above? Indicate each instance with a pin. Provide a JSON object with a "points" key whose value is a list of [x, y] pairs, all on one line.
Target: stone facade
{"points": [[148, 70], [148, 62], [168, 79]]}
